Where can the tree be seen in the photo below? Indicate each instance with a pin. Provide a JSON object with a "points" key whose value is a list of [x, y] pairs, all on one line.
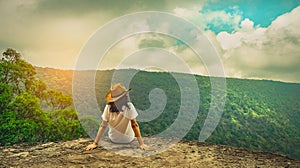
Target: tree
{"points": [[5, 97], [21, 98], [14, 71], [57, 100], [67, 114], [27, 105], [36, 87]]}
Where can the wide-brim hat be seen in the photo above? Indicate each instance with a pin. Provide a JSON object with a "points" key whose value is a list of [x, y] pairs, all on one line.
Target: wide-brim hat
{"points": [[116, 92]]}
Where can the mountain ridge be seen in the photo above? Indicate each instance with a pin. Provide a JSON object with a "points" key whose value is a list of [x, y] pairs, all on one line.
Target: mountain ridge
{"points": [[258, 115], [255, 79]]}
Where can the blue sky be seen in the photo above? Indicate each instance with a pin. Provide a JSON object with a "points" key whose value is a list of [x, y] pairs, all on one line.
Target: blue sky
{"points": [[257, 39], [261, 12]]}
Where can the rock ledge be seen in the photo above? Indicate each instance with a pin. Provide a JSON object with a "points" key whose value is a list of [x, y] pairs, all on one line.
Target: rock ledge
{"points": [[182, 154]]}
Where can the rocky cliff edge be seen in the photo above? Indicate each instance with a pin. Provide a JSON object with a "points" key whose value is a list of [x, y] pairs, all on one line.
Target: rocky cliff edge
{"points": [[181, 154]]}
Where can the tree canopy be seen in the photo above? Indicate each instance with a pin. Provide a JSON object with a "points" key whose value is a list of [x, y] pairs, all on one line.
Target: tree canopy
{"points": [[28, 111]]}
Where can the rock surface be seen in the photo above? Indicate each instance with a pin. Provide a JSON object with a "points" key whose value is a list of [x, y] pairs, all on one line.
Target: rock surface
{"points": [[181, 154]]}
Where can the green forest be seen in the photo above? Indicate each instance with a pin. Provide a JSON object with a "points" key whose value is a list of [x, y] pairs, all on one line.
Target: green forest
{"points": [[29, 112], [36, 106]]}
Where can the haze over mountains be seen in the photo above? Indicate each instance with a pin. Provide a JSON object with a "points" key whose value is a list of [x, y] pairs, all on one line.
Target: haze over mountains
{"points": [[258, 114]]}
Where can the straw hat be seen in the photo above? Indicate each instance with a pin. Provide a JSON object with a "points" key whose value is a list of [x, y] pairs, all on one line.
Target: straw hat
{"points": [[116, 92]]}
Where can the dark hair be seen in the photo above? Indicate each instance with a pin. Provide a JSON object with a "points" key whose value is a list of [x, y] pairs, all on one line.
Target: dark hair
{"points": [[117, 105]]}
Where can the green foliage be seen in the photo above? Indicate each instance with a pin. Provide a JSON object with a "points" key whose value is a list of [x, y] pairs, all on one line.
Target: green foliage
{"points": [[21, 97], [90, 124], [66, 114], [36, 87], [15, 71], [5, 96], [26, 106], [57, 100], [258, 115]]}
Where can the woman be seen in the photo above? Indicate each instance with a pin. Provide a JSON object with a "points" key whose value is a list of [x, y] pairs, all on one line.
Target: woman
{"points": [[120, 114]]}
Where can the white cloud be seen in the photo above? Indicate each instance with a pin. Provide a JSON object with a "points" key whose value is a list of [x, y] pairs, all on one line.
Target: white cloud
{"points": [[246, 34], [211, 17], [247, 25], [253, 51], [54, 39], [185, 13], [228, 41], [271, 52], [222, 17]]}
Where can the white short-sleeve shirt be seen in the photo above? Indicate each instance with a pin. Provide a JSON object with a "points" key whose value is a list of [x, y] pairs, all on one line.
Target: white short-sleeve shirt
{"points": [[120, 130]]}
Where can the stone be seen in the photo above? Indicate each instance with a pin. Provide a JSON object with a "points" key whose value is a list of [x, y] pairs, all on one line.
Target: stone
{"points": [[162, 154]]}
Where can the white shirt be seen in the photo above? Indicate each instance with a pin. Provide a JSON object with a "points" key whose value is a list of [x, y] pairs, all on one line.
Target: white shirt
{"points": [[120, 130]]}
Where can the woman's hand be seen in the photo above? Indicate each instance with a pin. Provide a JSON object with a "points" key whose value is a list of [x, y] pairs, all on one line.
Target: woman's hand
{"points": [[91, 146], [144, 147]]}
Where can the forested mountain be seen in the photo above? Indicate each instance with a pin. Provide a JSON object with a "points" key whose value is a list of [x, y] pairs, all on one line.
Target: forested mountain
{"points": [[258, 114], [36, 106]]}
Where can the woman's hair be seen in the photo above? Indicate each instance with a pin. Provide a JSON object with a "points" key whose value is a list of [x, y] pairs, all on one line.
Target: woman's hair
{"points": [[117, 105]]}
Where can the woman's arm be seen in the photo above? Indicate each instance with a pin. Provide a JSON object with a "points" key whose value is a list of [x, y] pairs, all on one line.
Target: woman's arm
{"points": [[101, 130], [137, 133]]}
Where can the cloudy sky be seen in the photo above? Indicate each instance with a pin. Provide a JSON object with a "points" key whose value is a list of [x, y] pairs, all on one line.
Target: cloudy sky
{"points": [[255, 39]]}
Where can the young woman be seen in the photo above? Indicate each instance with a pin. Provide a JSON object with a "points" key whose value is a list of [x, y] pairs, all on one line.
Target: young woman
{"points": [[120, 115]]}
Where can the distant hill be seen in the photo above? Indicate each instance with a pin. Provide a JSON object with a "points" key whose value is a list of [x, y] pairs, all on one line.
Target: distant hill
{"points": [[259, 115], [56, 79]]}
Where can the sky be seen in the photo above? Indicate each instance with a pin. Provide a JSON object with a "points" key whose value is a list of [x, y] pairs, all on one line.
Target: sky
{"points": [[255, 39]]}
